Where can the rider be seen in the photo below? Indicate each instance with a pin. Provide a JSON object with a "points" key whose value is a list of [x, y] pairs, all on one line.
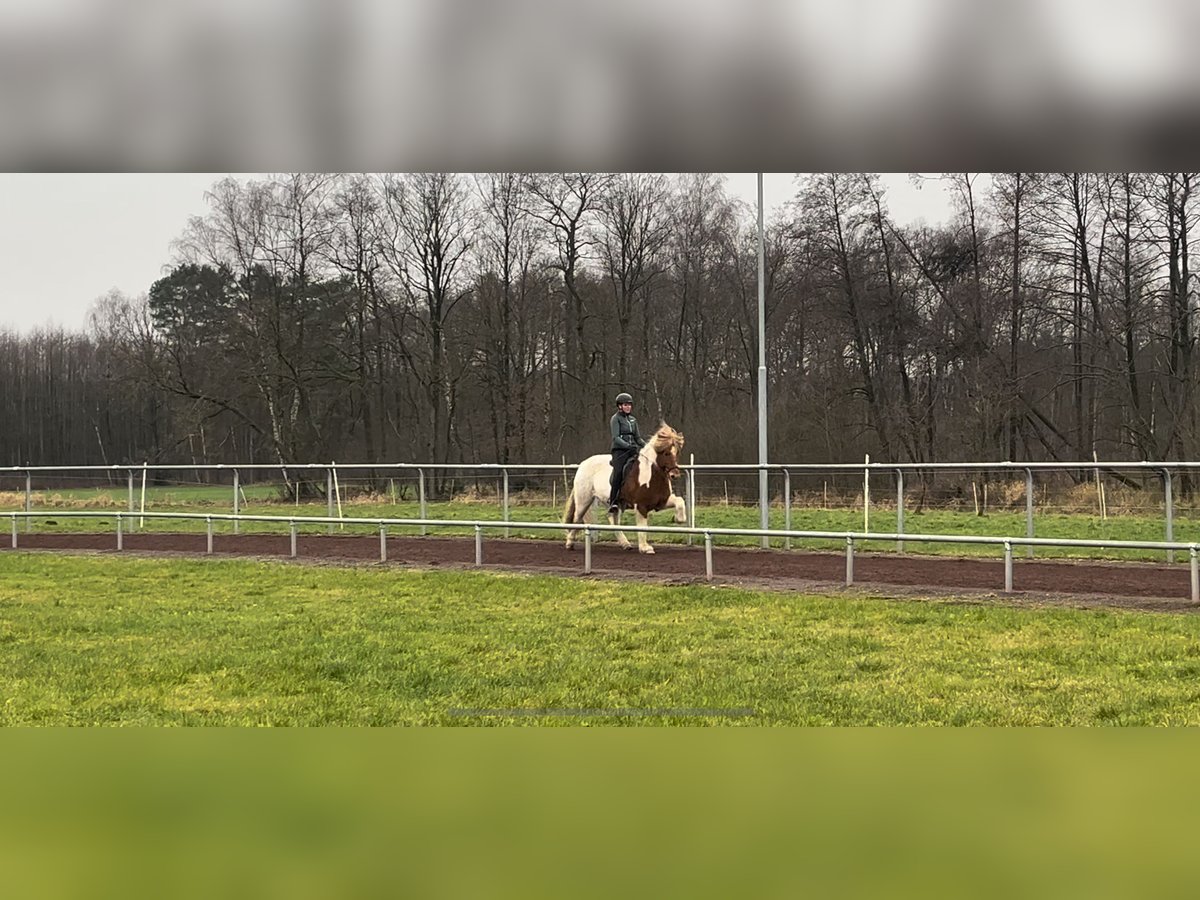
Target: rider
{"points": [[626, 442]]}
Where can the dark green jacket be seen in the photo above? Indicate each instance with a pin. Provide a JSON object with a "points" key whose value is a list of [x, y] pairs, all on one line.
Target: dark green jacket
{"points": [[625, 435]]}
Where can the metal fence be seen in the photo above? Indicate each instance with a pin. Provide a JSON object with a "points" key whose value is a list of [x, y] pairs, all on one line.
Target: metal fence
{"points": [[887, 489], [590, 530]]}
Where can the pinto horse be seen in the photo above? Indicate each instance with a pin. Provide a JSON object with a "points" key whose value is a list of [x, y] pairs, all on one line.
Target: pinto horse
{"points": [[646, 488]]}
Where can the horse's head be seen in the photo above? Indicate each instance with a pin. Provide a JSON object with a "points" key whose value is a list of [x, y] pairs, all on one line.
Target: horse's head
{"points": [[668, 445]]}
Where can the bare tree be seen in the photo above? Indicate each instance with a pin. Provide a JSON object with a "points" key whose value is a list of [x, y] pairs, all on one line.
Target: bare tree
{"points": [[429, 222], [567, 204], [834, 221], [352, 250], [507, 252], [633, 233]]}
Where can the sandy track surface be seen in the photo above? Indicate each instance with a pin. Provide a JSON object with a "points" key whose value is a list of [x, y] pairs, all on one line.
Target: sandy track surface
{"points": [[1084, 583]]}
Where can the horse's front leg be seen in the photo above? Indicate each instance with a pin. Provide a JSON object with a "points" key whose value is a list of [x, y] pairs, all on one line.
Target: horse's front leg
{"points": [[680, 508], [615, 519], [643, 541]]}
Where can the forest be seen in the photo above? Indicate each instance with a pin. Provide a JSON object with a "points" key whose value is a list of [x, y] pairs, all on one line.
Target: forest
{"points": [[492, 318]]}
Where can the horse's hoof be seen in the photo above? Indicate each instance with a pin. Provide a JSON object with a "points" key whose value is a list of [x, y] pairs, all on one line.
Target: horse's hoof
{"points": [[648, 550]]}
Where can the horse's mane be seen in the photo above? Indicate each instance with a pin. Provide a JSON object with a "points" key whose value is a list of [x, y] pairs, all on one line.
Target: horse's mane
{"points": [[665, 437], [662, 441]]}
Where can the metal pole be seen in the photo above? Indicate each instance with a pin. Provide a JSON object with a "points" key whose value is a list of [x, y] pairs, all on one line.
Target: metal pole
{"points": [[142, 519], [329, 496], [787, 507], [237, 500], [691, 492], [14, 531], [478, 545], [131, 490], [337, 493], [383, 543], [1195, 574], [587, 550], [1169, 502], [28, 500], [421, 493], [849, 560], [293, 530], [1008, 567], [120, 536], [867, 492], [900, 508], [708, 563], [208, 530], [1029, 509], [505, 505], [763, 511]]}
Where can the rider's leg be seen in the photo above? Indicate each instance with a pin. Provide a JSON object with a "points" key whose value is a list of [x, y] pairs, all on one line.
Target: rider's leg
{"points": [[619, 458]]}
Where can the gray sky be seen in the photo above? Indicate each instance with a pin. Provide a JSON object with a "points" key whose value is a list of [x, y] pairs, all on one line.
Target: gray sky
{"points": [[68, 239]]}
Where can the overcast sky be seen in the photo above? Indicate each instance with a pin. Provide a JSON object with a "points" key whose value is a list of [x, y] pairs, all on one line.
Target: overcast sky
{"points": [[68, 239]]}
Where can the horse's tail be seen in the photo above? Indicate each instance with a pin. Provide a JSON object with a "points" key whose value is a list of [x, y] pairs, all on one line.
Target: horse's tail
{"points": [[569, 512]]}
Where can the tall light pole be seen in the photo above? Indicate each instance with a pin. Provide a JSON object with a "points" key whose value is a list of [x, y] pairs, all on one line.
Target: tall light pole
{"points": [[762, 375]]}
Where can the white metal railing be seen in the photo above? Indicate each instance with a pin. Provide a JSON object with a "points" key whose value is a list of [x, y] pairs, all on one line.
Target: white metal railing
{"points": [[501, 470], [479, 525], [748, 467]]}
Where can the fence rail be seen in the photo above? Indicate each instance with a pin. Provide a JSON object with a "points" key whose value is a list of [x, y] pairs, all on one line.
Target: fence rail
{"points": [[1162, 471], [589, 529]]}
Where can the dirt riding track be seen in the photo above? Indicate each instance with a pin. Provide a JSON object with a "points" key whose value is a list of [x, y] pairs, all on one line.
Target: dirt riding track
{"points": [[1113, 584]]}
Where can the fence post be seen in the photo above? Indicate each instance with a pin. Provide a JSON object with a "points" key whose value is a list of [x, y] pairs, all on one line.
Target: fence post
{"points": [[28, 500], [337, 494], [142, 518], [1169, 503], [1195, 574], [1008, 567], [867, 493], [478, 545], [764, 521], [691, 492], [708, 561], [787, 508], [237, 499], [849, 560], [382, 542], [120, 535], [329, 496], [292, 526], [587, 549], [131, 490], [14, 531], [421, 493], [1029, 510], [900, 508], [505, 504], [209, 533]]}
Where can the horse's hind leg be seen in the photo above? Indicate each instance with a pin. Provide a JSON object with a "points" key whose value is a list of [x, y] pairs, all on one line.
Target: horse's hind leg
{"points": [[581, 511], [615, 519]]}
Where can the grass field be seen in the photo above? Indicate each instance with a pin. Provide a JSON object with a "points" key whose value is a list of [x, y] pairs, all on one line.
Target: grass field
{"points": [[260, 501], [94, 640]]}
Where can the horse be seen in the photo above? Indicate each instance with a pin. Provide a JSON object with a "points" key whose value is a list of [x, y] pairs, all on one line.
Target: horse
{"points": [[646, 487]]}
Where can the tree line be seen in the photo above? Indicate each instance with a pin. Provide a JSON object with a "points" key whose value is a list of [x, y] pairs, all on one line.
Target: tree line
{"points": [[491, 318]]}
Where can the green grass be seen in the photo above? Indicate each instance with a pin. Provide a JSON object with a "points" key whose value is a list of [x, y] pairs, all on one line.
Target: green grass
{"points": [[117, 496], [96, 640]]}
